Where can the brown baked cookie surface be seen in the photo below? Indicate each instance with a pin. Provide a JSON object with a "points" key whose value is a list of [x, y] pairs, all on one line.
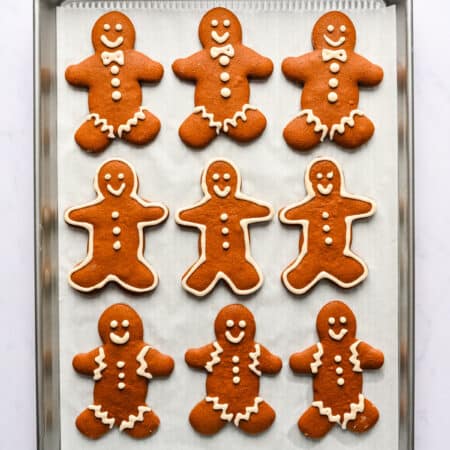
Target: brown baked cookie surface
{"points": [[221, 72], [234, 363], [121, 368], [113, 75], [337, 362], [331, 76]]}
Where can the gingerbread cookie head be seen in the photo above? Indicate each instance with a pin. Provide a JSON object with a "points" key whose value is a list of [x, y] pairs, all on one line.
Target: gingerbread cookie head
{"points": [[336, 322], [334, 30], [116, 178], [234, 324], [220, 179], [324, 178], [113, 31], [120, 324], [219, 26]]}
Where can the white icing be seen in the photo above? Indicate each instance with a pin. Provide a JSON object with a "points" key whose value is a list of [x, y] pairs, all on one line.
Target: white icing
{"points": [[332, 97], [107, 27], [337, 43], [119, 340], [230, 323], [330, 28], [116, 231], [114, 324], [140, 358], [225, 231], [109, 57], [234, 339], [319, 176], [310, 118], [104, 124], [125, 323], [116, 96], [222, 193], [347, 120], [331, 320], [129, 424], [226, 50], [120, 364], [330, 175], [333, 83], [101, 365], [338, 336], [354, 358], [254, 356], [340, 382], [115, 215], [326, 228], [339, 370], [215, 358], [220, 407], [116, 192], [226, 23], [117, 245], [235, 370], [216, 177], [325, 215], [121, 385], [126, 127], [107, 176], [224, 217], [214, 23], [325, 190], [235, 359], [226, 176], [338, 358], [224, 76], [343, 319], [121, 375], [317, 358], [334, 68], [242, 323], [114, 70], [328, 54], [355, 408], [111, 44], [102, 415], [343, 28], [115, 82], [119, 27], [254, 409], [225, 92], [226, 245], [220, 39], [326, 411], [328, 241], [224, 60], [236, 380], [210, 116], [238, 115]]}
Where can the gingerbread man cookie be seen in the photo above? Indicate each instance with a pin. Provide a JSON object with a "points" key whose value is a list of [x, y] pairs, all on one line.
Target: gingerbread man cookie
{"points": [[222, 93], [337, 363], [115, 221], [331, 76], [113, 75], [326, 216], [121, 369], [223, 216], [234, 363]]}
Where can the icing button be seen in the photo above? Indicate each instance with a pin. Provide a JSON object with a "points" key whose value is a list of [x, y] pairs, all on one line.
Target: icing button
{"points": [[226, 245], [236, 380], [117, 245], [120, 364], [225, 92], [326, 228], [116, 231], [332, 97], [340, 381], [115, 214], [224, 76], [115, 82], [339, 370], [115, 70], [224, 60], [121, 386], [235, 359], [338, 358], [335, 67], [224, 217], [235, 369], [328, 241], [325, 215], [333, 83], [121, 375], [225, 231], [116, 96]]}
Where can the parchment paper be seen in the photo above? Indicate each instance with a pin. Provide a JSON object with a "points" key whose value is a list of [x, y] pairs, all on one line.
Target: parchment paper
{"points": [[170, 172]]}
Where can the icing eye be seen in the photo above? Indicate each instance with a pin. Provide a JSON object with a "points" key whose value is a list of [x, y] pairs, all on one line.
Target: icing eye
{"points": [[343, 28], [113, 324], [121, 176], [331, 320], [119, 27], [230, 323], [214, 23], [226, 23], [330, 28], [125, 323], [319, 176], [216, 177], [107, 176], [226, 176], [343, 319], [330, 175], [107, 27], [242, 323]]}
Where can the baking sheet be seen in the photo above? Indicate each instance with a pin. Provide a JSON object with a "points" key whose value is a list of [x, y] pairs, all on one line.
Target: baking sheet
{"points": [[170, 172]]}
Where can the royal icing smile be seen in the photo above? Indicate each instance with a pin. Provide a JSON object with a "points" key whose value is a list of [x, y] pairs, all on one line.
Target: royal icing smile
{"points": [[117, 192], [234, 339], [325, 190], [338, 336], [337, 43], [220, 39], [222, 192], [111, 44], [119, 340]]}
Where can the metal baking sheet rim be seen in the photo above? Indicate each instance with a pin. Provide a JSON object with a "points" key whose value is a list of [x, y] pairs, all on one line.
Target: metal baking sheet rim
{"points": [[46, 258]]}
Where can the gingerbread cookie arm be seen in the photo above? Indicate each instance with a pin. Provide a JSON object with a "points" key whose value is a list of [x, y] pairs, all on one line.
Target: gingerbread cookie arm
{"points": [[193, 216], [369, 357], [368, 74], [294, 214], [80, 214], [306, 361], [358, 206], [88, 363], [199, 357], [148, 69], [258, 66], [268, 362], [159, 364], [257, 210], [188, 68], [153, 212], [79, 74], [296, 68]]}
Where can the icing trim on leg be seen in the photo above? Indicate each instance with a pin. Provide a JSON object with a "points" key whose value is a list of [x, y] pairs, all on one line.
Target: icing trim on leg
{"points": [[355, 409], [220, 407], [326, 411], [237, 115], [104, 124], [132, 419], [132, 122], [140, 358], [101, 365], [310, 118], [215, 358], [346, 120], [102, 415], [249, 410], [210, 116]]}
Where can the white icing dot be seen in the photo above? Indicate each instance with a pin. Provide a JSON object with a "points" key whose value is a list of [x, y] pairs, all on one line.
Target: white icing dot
{"points": [[125, 323], [338, 358], [225, 231], [115, 82], [332, 97], [242, 323], [120, 364], [319, 176], [236, 380], [115, 70], [340, 381], [331, 320], [328, 241], [116, 96], [214, 23], [121, 385], [330, 175], [116, 231], [224, 60], [117, 245], [235, 359], [335, 67], [226, 176], [119, 27], [330, 28], [121, 176], [225, 92], [230, 323], [224, 76], [115, 214], [107, 27], [326, 228], [226, 245], [343, 28], [235, 370], [107, 176], [226, 23], [333, 83], [224, 217], [216, 177], [113, 324], [343, 320], [325, 215], [339, 370], [121, 375]]}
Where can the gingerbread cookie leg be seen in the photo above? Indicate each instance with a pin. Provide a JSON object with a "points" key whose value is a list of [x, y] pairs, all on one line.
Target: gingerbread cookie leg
{"points": [[200, 279], [313, 425], [353, 131], [260, 421], [250, 128], [301, 275], [304, 132], [138, 275], [206, 420], [347, 270], [197, 132], [94, 135], [365, 420], [91, 426], [246, 279], [146, 427], [88, 276], [142, 129]]}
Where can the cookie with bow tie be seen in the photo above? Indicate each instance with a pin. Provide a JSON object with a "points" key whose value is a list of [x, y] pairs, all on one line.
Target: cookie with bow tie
{"points": [[331, 76], [113, 75], [221, 72]]}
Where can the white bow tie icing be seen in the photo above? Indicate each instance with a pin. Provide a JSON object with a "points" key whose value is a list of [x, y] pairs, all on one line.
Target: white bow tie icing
{"points": [[227, 50], [328, 54], [109, 57]]}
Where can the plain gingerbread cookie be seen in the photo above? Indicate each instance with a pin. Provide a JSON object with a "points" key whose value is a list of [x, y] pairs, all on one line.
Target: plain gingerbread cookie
{"points": [[222, 92], [121, 368], [234, 363], [337, 362], [331, 76], [113, 75]]}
